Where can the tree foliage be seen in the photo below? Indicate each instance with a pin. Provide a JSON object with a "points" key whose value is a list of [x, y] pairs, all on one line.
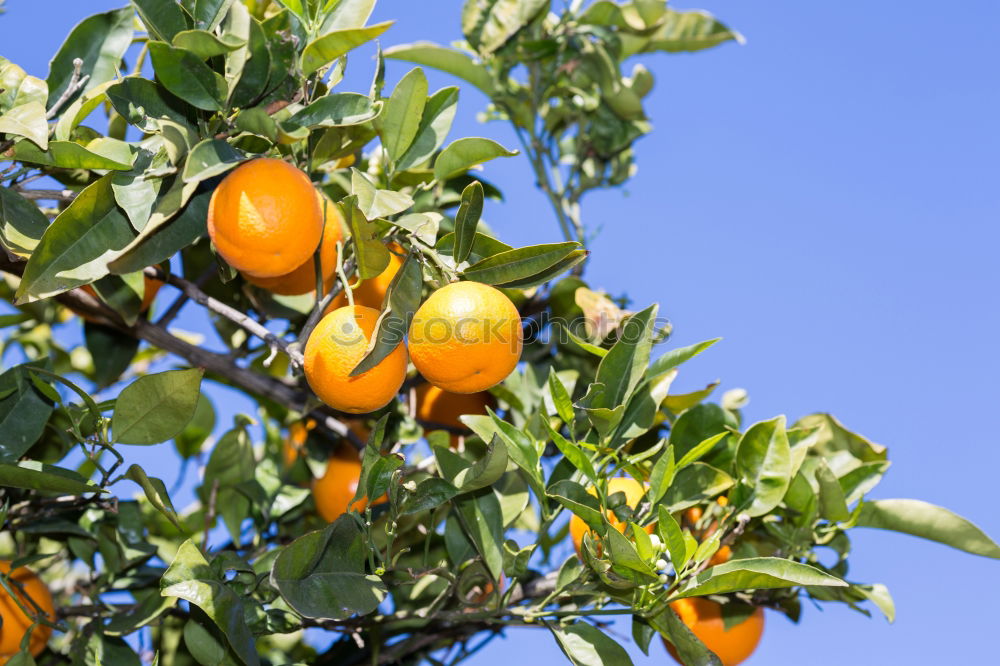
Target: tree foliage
{"points": [[145, 109]]}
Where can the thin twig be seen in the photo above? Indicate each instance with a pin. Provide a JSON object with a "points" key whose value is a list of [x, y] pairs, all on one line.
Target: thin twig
{"points": [[54, 195], [75, 83]]}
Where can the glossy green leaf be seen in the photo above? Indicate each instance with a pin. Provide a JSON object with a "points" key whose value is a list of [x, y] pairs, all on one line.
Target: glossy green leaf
{"points": [[162, 237], [404, 109], [672, 537], [756, 573], [832, 439], [435, 123], [24, 411], [623, 553], [625, 363], [17, 87], [332, 45], [21, 223], [482, 518], [447, 60], [33, 475], [337, 110], [322, 574], [210, 158], [74, 249], [488, 24], [190, 577], [675, 357], [512, 265], [205, 44], [662, 474], [463, 154], [253, 77], [374, 202], [156, 493], [111, 350], [560, 397], [189, 442], [207, 14], [690, 649], [371, 254], [467, 219], [155, 408], [695, 484], [429, 494], [483, 246], [141, 101], [100, 41], [764, 463], [185, 75], [71, 155], [576, 499], [927, 521], [485, 471], [162, 19], [27, 120], [682, 31], [586, 645], [341, 14], [403, 299], [701, 449], [832, 503]]}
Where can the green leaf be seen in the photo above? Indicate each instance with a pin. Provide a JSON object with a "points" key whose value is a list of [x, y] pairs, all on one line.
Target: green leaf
{"points": [[337, 110], [21, 223], [756, 573], [586, 645], [403, 297], [697, 424], [141, 102], [467, 219], [204, 44], [484, 472], [100, 41], [155, 408], [24, 411], [190, 577], [429, 494], [701, 449], [435, 123], [156, 493], [764, 463], [27, 120], [162, 19], [482, 518], [447, 60], [322, 574], [332, 45], [374, 202], [832, 440], [253, 77], [185, 75], [572, 496], [573, 453], [681, 31], [136, 193], [33, 475], [463, 154], [832, 503], [623, 552], [488, 24], [341, 14], [210, 158], [695, 484], [111, 350], [162, 237], [623, 366], [689, 647], [482, 246], [71, 155], [927, 521], [510, 266], [74, 249], [560, 397], [662, 475], [371, 255], [673, 537], [17, 88], [675, 357], [400, 121]]}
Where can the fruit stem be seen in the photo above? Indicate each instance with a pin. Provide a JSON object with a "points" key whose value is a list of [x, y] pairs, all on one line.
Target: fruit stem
{"points": [[343, 277]]}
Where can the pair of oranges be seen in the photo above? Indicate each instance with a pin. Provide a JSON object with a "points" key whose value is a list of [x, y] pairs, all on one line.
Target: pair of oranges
{"points": [[267, 220]]}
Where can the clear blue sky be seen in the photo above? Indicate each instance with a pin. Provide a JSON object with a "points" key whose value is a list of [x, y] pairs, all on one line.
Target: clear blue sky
{"points": [[825, 198]]}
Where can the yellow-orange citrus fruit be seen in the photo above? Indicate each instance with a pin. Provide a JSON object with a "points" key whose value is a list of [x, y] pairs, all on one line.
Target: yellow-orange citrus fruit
{"points": [[264, 218], [303, 279], [633, 494], [334, 491], [437, 407], [723, 555], [704, 618], [466, 337], [15, 621], [371, 292], [335, 347]]}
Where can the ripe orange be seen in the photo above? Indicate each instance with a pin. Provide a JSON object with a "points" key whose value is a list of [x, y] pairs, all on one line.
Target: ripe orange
{"points": [[335, 489], [303, 279], [466, 337], [371, 292], [15, 621], [633, 494], [437, 407], [704, 618], [335, 347], [264, 218]]}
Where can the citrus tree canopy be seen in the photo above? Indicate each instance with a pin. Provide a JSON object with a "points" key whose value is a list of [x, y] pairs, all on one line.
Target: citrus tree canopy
{"points": [[453, 435]]}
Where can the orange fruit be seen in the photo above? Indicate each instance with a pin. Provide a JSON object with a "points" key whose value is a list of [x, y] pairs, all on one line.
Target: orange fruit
{"points": [[466, 337], [15, 621], [303, 279], [723, 555], [371, 292], [335, 347], [295, 444], [334, 491], [704, 618], [634, 492], [437, 407], [264, 218]]}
